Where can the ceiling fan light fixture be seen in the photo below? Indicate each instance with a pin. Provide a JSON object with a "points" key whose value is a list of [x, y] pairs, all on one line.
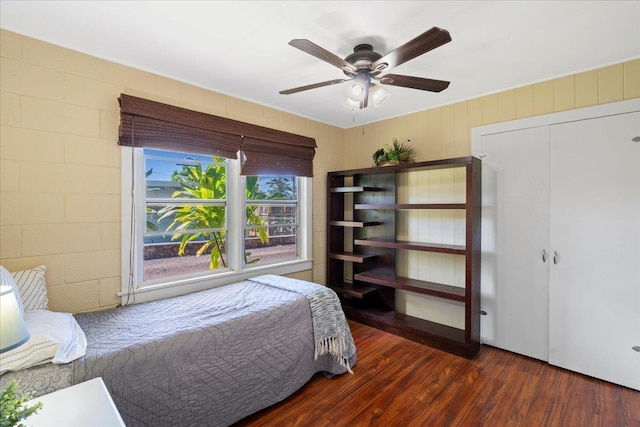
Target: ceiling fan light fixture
{"points": [[356, 90], [359, 89], [378, 95], [352, 105]]}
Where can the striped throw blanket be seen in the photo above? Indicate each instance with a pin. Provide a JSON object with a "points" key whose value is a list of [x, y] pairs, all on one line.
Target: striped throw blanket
{"points": [[330, 328]]}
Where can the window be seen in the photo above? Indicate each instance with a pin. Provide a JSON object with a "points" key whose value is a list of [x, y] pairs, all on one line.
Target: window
{"points": [[272, 222], [193, 221], [186, 211]]}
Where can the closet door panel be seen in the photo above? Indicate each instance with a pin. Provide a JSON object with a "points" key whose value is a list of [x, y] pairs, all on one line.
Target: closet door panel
{"points": [[515, 232], [595, 235]]}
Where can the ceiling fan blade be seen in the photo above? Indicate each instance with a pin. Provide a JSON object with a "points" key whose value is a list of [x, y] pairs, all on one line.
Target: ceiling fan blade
{"points": [[429, 40], [313, 86], [414, 82], [323, 54]]}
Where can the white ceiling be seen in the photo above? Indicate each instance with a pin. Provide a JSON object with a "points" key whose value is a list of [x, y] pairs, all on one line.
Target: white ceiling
{"points": [[240, 48]]}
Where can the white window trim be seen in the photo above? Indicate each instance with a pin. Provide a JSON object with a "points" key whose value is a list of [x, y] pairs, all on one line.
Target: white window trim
{"points": [[132, 263]]}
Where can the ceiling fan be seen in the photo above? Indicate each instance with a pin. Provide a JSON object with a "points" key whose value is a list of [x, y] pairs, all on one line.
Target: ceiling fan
{"points": [[364, 66]]}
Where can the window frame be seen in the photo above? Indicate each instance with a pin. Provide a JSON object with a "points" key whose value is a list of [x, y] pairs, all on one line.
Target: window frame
{"points": [[135, 289], [273, 203]]}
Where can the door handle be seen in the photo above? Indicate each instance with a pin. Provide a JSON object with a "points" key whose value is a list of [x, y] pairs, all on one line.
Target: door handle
{"points": [[556, 257], [544, 255]]}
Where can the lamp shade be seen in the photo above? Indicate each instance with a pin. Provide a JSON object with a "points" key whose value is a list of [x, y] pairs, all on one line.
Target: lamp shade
{"points": [[378, 95], [359, 88], [351, 104], [13, 331]]}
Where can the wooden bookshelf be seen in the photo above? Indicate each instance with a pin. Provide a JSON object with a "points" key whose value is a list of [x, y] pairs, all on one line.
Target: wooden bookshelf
{"points": [[368, 294]]}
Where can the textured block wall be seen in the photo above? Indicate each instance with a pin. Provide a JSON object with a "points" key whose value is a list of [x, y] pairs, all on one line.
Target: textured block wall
{"points": [[446, 131], [60, 171], [60, 165]]}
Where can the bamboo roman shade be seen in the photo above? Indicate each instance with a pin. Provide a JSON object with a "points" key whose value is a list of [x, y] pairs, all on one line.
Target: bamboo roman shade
{"points": [[266, 157], [151, 124]]}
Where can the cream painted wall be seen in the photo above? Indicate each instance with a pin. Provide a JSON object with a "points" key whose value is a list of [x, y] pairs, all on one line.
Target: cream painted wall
{"points": [[60, 164], [446, 132]]}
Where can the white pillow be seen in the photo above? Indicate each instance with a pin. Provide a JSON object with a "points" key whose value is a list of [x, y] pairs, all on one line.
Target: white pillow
{"points": [[7, 279], [33, 288], [55, 337]]}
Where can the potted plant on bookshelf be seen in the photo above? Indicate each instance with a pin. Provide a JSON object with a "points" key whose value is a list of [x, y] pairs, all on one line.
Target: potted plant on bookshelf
{"points": [[394, 154]]}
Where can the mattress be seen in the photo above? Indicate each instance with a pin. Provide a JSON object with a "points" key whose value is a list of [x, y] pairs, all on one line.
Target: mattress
{"points": [[207, 358]]}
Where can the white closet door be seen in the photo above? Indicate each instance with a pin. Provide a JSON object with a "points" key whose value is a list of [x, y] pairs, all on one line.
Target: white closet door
{"points": [[595, 231], [515, 232]]}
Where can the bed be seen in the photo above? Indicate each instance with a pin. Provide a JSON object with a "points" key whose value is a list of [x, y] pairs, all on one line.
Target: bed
{"points": [[207, 358]]}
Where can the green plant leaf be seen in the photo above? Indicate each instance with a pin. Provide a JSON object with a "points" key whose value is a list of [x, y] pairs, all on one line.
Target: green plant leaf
{"points": [[210, 183], [400, 151], [12, 406]]}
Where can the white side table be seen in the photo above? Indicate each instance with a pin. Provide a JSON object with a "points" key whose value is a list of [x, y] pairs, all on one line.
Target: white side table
{"points": [[82, 405]]}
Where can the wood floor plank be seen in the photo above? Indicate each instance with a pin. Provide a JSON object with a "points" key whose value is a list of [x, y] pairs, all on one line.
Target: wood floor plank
{"points": [[398, 382]]}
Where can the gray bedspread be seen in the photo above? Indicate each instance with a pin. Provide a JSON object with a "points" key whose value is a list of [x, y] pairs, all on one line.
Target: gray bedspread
{"points": [[205, 359], [39, 380]]}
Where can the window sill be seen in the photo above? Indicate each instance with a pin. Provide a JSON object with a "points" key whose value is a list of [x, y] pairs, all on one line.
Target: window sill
{"points": [[163, 290]]}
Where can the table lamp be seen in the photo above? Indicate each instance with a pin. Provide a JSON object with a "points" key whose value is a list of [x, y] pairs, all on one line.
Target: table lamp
{"points": [[13, 331]]}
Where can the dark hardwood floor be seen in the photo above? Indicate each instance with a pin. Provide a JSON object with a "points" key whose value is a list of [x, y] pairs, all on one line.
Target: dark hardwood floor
{"points": [[401, 383]]}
